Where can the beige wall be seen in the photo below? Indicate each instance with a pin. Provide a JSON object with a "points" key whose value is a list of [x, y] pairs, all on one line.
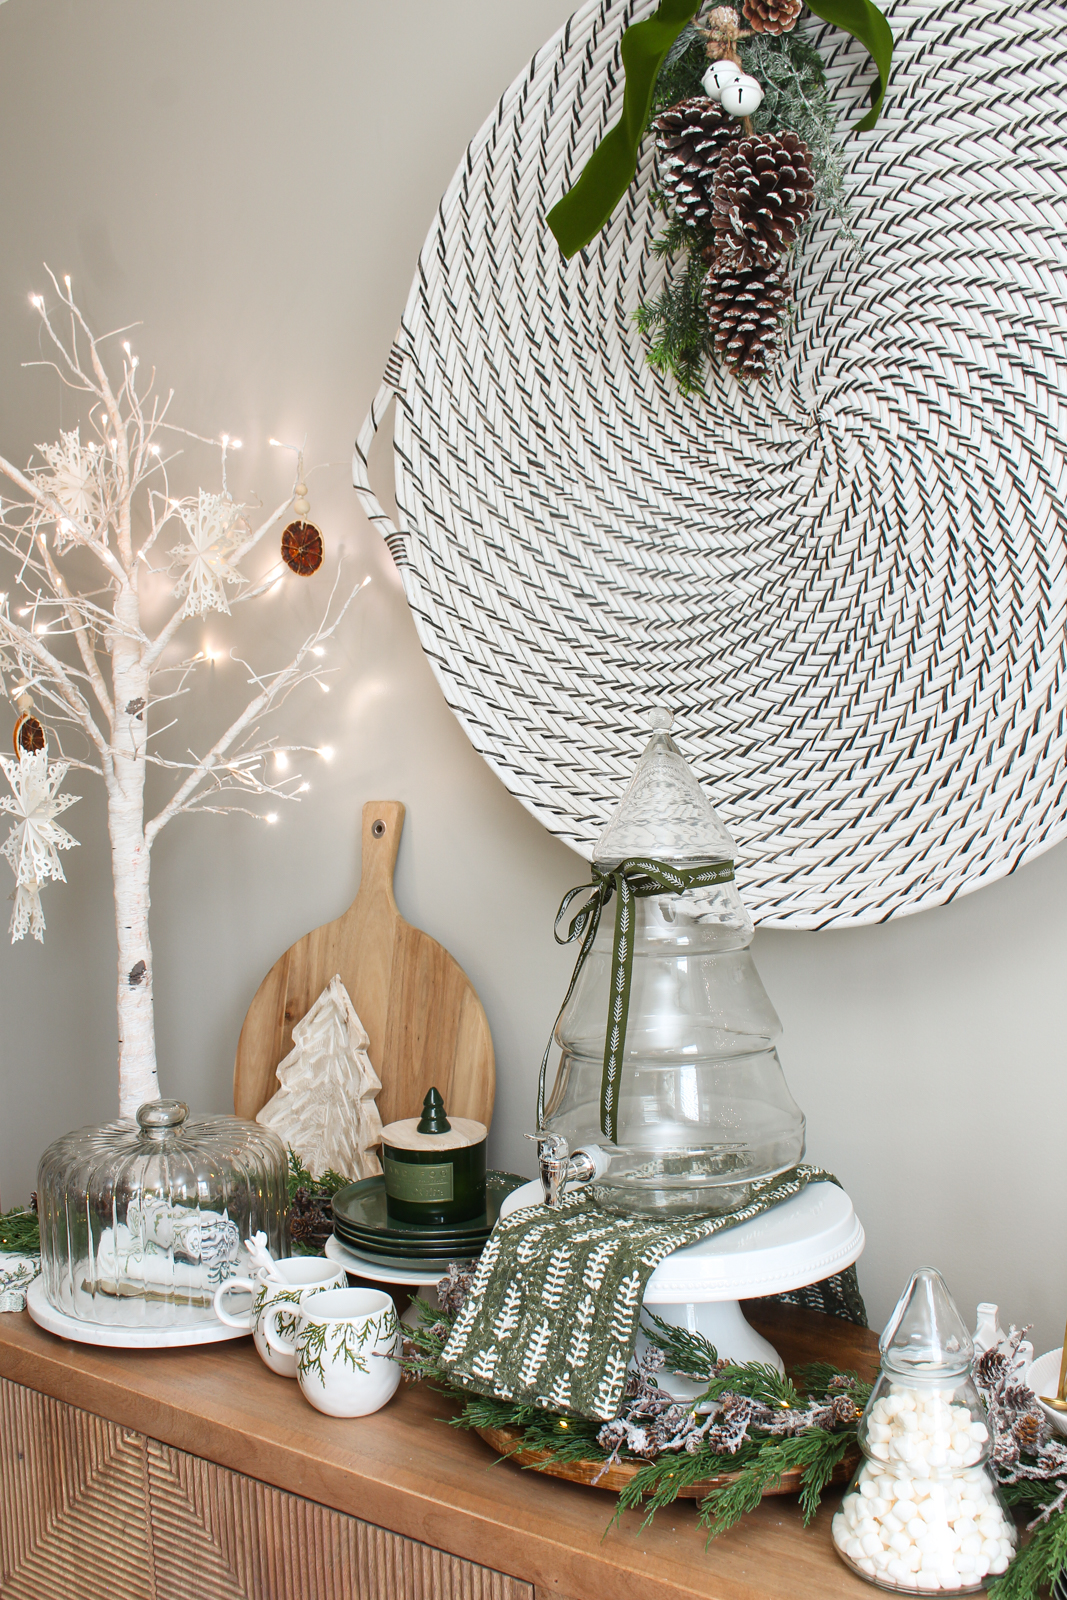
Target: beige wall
{"points": [[253, 181]]}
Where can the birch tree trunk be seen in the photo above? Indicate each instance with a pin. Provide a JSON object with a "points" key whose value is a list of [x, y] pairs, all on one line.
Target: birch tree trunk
{"points": [[130, 861]]}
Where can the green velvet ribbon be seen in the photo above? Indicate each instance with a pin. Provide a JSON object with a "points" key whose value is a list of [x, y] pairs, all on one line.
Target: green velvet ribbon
{"points": [[586, 207], [632, 880]]}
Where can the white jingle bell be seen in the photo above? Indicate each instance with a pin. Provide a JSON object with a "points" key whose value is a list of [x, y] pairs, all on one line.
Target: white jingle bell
{"points": [[718, 75], [741, 97]]}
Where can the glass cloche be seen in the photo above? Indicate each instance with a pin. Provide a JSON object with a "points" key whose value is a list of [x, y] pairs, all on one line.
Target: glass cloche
{"points": [[703, 1110], [141, 1220]]}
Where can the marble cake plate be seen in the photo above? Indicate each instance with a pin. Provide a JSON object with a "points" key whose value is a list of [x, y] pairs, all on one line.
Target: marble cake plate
{"points": [[209, 1331]]}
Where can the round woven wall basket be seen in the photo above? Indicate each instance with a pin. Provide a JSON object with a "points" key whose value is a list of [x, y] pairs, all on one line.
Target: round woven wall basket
{"points": [[848, 582]]}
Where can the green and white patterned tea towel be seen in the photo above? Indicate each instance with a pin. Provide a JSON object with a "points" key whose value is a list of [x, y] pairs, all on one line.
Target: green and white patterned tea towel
{"points": [[553, 1312]]}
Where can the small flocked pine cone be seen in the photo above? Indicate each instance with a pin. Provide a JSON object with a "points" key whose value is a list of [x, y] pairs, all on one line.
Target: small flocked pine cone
{"points": [[772, 16], [690, 137], [1028, 1432], [763, 196], [744, 306]]}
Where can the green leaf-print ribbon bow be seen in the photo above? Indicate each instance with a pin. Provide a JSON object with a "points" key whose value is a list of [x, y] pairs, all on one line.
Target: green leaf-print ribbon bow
{"points": [[579, 216], [631, 880]]}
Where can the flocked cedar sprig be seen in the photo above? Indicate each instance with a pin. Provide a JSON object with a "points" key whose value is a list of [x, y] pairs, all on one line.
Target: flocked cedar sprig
{"points": [[1029, 1463]]}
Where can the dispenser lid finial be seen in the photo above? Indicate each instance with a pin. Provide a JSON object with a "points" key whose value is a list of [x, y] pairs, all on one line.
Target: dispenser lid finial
{"points": [[433, 1119], [664, 813]]}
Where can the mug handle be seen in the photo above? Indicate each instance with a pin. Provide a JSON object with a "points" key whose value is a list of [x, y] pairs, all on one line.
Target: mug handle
{"points": [[278, 1342], [244, 1318]]}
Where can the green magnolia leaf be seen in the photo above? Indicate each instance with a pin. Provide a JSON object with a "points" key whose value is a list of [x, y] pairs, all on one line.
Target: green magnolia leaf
{"points": [[863, 20], [586, 207]]}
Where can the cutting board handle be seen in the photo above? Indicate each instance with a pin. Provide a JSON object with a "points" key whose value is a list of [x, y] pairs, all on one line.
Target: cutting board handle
{"points": [[383, 823]]}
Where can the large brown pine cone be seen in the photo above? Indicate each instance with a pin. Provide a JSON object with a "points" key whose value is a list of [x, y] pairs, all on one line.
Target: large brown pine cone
{"points": [[763, 196], [772, 16], [744, 306], [689, 138]]}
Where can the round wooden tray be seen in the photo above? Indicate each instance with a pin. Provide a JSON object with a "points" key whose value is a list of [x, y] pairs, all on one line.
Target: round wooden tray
{"points": [[508, 1442]]}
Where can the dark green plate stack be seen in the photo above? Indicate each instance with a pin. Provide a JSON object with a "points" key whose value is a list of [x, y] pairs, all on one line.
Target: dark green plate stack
{"points": [[363, 1225]]}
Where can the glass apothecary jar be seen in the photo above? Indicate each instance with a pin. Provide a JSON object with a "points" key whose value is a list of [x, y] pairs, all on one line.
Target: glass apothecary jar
{"points": [[923, 1513], [704, 1111], [142, 1219]]}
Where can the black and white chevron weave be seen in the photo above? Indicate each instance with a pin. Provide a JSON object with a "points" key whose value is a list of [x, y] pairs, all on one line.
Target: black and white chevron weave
{"points": [[850, 583]]}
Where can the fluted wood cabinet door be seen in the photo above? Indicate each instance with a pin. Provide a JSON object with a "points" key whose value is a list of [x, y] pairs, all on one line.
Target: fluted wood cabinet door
{"points": [[89, 1511]]}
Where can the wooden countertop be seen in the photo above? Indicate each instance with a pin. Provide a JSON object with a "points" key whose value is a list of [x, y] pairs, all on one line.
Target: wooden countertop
{"points": [[406, 1471]]}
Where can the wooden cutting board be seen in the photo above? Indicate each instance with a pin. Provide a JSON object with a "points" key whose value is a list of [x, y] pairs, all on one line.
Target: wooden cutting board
{"points": [[426, 1024]]}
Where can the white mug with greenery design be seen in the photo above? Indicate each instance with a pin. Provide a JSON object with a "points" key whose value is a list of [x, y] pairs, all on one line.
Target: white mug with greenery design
{"points": [[345, 1345], [301, 1276]]}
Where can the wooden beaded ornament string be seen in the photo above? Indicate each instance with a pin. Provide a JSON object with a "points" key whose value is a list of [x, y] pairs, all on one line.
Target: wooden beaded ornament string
{"points": [[302, 547]]}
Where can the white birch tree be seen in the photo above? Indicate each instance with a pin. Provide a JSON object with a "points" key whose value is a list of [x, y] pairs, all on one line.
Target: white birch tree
{"points": [[89, 525]]}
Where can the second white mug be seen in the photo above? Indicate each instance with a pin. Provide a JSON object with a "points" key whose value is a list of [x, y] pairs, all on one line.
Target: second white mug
{"points": [[345, 1345], [302, 1275]]}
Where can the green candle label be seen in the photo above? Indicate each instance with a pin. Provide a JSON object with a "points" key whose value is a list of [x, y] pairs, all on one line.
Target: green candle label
{"points": [[409, 1180]]}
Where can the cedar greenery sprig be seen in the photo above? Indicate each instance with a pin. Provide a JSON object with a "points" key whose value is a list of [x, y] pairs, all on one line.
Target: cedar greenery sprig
{"points": [[300, 1178], [20, 1232], [310, 1209]]}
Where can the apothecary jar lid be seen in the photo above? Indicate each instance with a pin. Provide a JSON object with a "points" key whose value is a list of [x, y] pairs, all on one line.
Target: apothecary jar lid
{"points": [[143, 1218]]}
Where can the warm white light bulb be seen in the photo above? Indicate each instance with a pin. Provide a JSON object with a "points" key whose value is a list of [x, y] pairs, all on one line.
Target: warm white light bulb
{"points": [[235, 444], [303, 789], [281, 760], [325, 687], [272, 816], [36, 301], [317, 650], [326, 752]]}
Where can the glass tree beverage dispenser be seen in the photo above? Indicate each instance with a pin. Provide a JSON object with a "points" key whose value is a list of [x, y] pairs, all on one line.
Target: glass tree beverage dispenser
{"points": [[669, 1097]]}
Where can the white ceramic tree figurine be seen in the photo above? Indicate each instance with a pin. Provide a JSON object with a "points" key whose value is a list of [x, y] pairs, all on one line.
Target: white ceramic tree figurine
{"points": [[92, 528]]}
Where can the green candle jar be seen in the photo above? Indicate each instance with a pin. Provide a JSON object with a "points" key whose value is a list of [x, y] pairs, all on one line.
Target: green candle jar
{"points": [[434, 1168]]}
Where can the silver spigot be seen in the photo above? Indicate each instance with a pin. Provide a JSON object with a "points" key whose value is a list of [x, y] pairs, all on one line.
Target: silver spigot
{"points": [[558, 1168]]}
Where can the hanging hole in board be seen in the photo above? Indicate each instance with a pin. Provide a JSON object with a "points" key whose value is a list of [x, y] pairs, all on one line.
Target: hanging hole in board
{"points": [[378, 828]]}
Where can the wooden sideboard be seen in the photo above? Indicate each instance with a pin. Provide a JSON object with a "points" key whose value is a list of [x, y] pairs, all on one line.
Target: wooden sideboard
{"points": [[198, 1475]]}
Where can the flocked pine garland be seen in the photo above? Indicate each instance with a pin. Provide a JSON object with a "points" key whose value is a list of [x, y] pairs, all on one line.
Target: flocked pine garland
{"points": [[760, 1425]]}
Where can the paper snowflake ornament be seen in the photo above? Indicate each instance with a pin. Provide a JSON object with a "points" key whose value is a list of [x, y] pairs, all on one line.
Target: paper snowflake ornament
{"points": [[71, 479], [325, 1107], [33, 845], [212, 528]]}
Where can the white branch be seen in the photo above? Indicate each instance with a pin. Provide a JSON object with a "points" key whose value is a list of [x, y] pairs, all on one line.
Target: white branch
{"points": [[281, 681]]}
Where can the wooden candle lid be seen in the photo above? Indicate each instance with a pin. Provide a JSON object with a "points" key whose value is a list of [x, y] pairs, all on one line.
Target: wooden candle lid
{"points": [[463, 1131], [433, 1130]]}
